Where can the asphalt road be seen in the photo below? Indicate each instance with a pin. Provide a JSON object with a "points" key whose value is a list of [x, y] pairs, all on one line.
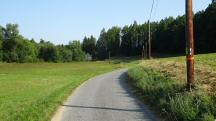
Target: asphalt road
{"points": [[105, 98]]}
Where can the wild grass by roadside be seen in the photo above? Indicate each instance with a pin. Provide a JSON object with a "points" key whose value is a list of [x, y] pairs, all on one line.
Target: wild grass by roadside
{"points": [[175, 67], [32, 92], [161, 82]]}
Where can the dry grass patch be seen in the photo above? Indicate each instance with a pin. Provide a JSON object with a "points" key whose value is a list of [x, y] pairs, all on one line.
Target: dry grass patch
{"points": [[205, 73]]}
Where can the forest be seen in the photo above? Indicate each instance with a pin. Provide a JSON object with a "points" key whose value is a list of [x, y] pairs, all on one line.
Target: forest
{"points": [[168, 37]]}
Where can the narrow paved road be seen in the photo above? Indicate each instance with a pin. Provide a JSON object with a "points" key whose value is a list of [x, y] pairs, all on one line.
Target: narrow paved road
{"points": [[105, 98]]}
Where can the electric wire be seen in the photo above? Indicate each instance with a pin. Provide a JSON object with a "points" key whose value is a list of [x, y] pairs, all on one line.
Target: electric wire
{"points": [[151, 9]]}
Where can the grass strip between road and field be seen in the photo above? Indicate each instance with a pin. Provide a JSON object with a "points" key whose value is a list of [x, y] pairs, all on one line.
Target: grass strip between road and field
{"points": [[161, 84], [170, 97]]}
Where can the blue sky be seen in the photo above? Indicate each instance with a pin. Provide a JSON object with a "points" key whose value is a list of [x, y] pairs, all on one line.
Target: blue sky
{"points": [[60, 21]]}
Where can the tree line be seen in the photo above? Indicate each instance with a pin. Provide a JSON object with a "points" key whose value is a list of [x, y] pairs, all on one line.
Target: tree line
{"points": [[15, 48], [168, 37]]}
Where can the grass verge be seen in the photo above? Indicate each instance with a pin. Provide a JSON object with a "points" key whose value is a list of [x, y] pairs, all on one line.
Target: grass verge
{"points": [[161, 83]]}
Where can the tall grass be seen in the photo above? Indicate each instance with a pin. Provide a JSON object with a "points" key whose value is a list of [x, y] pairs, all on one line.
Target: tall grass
{"points": [[170, 97]]}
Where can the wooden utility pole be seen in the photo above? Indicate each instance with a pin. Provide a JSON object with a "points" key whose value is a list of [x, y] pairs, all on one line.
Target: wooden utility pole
{"points": [[149, 41], [190, 43], [149, 23]]}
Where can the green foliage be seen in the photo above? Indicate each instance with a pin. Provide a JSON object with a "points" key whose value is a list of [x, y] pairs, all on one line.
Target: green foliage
{"points": [[9, 43], [168, 36], [89, 46], [109, 42], [170, 97], [76, 49], [1, 41], [102, 45], [48, 52], [113, 40], [26, 51], [11, 31], [209, 26], [207, 117], [65, 54], [1, 55], [15, 48]]}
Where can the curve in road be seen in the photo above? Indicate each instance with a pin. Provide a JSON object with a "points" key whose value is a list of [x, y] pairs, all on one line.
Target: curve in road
{"points": [[105, 98]]}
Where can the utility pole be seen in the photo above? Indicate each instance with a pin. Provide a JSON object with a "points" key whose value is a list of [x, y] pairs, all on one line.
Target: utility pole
{"points": [[149, 41], [190, 43]]}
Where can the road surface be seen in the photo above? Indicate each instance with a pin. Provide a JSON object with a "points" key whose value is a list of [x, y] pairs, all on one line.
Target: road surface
{"points": [[105, 98]]}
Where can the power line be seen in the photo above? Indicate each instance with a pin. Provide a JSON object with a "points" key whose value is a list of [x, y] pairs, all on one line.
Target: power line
{"points": [[151, 9], [155, 11]]}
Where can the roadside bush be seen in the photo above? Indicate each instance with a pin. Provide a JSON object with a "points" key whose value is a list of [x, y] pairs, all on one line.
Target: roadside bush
{"points": [[171, 97]]}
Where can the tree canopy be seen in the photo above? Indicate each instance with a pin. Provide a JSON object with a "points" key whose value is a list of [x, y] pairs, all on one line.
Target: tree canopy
{"points": [[89, 45]]}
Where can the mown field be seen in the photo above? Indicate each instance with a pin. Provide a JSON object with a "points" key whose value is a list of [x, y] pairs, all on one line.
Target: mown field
{"points": [[32, 92], [162, 84]]}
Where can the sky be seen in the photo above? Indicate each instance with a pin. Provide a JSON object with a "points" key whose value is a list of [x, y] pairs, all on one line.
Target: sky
{"points": [[61, 21]]}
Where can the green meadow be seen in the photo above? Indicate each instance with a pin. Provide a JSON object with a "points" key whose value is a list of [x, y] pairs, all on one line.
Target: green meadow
{"points": [[32, 92]]}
